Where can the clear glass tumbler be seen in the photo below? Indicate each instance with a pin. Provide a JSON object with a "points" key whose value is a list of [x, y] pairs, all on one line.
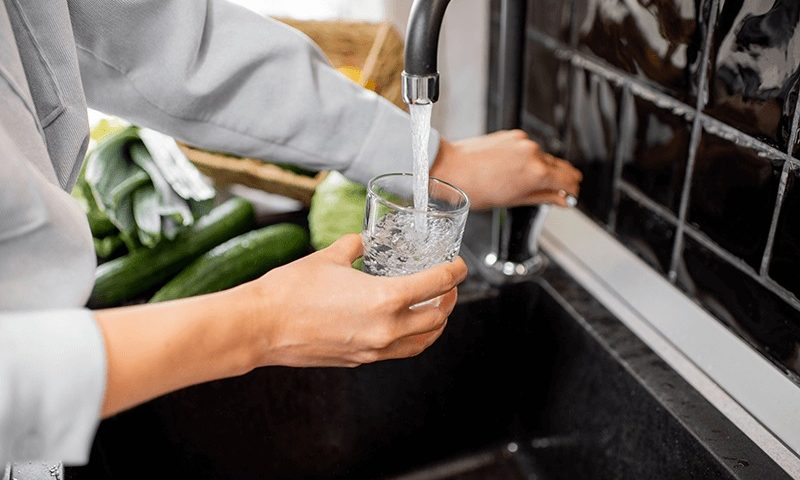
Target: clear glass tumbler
{"points": [[399, 239]]}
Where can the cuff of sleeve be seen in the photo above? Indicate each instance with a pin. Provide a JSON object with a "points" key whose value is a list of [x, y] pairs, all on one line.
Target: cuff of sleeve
{"points": [[54, 363], [387, 148]]}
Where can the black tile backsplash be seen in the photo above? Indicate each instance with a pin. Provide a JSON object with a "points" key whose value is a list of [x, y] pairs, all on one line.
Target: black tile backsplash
{"points": [[649, 236], [682, 116], [754, 63], [592, 136], [741, 302], [784, 266], [656, 41], [655, 162], [551, 17], [545, 88], [733, 195]]}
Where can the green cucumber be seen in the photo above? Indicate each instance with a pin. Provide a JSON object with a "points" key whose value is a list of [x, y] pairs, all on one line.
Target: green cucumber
{"points": [[143, 270], [237, 261]]}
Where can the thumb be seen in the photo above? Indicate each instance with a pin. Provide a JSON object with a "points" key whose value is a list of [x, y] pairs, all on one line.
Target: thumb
{"points": [[345, 250]]}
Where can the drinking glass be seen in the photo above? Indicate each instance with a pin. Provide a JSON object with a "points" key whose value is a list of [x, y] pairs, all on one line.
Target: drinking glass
{"points": [[399, 239]]}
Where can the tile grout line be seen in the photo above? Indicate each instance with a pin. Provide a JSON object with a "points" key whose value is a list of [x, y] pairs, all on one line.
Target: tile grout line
{"points": [[743, 267], [645, 91], [641, 89], [776, 213], [702, 92], [727, 132], [773, 226], [643, 200], [532, 121], [795, 120], [623, 140]]}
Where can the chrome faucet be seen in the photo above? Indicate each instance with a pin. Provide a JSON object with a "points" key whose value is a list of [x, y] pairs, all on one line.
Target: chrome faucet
{"points": [[515, 253], [420, 73]]}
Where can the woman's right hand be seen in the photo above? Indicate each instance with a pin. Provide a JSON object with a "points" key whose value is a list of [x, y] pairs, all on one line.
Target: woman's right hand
{"points": [[319, 311]]}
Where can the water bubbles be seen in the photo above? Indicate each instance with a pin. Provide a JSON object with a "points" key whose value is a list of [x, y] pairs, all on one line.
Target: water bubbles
{"points": [[393, 247]]}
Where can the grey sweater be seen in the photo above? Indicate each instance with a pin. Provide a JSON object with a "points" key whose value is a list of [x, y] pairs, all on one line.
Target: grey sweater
{"points": [[204, 71]]}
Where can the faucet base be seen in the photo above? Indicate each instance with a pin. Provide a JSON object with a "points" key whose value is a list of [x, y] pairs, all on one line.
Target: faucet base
{"points": [[499, 272]]}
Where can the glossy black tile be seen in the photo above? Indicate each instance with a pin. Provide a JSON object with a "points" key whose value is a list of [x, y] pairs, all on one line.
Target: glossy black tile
{"points": [[659, 41], [750, 310], [645, 232], [592, 137], [733, 195], [755, 59], [785, 263], [545, 89], [551, 17], [655, 161], [657, 46]]}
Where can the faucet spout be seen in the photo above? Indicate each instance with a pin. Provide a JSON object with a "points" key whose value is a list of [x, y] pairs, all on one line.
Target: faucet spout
{"points": [[421, 75]]}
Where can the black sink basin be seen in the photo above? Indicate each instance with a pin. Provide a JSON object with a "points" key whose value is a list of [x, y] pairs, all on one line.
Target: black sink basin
{"points": [[532, 381]]}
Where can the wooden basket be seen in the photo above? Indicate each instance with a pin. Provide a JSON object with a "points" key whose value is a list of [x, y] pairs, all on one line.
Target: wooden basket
{"points": [[376, 49]]}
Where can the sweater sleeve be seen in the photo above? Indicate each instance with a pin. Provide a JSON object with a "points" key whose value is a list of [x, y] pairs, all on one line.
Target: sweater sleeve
{"points": [[218, 76], [52, 382]]}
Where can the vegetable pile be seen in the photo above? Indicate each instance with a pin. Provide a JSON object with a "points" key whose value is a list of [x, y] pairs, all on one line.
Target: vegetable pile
{"points": [[136, 196], [156, 229]]}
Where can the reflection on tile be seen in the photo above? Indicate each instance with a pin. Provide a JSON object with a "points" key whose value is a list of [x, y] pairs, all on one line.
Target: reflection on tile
{"points": [[545, 87], [733, 195], [785, 265], [754, 83], [592, 137], [646, 233], [550, 17], [755, 59], [655, 162], [750, 310], [655, 41]]}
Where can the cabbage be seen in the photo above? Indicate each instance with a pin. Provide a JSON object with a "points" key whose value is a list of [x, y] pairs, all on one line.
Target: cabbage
{"points": [[337, 208]]}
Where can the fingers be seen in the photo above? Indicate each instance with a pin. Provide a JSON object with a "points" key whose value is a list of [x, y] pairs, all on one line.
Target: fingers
{"points": [[558, 175], [424, 327], [516, 133], [411, 346], [427, 318], [345, 250], [560, 198], [430, 283]]}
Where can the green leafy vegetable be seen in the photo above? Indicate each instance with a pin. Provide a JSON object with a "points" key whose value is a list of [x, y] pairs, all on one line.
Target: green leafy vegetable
{"points": [[337, 208], [146, 214]]}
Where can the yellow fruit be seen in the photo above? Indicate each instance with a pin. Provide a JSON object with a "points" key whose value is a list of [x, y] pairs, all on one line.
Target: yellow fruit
{"points": [[354, 74]]}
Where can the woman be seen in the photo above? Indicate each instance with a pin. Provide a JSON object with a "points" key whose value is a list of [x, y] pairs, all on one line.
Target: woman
{"points": [[217, 76]]}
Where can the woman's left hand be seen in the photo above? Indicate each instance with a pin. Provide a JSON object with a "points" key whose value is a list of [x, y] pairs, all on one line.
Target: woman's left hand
{"points": [[506, 169]]}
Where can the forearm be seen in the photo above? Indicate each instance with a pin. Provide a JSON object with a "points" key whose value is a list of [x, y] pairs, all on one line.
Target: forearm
{"points": [[342, 317], [158, 348]]}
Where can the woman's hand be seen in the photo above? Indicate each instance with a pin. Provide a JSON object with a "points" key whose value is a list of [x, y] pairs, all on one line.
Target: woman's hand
{"points": [[506, 169], [319, 311]]}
